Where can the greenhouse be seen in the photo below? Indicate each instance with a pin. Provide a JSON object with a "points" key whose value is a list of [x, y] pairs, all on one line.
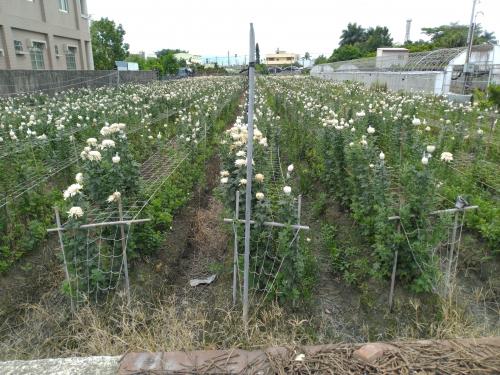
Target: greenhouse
{"points": [[438, 72]]}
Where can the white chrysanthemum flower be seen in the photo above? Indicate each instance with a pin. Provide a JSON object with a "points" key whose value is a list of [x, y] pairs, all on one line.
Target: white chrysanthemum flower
{"points": [[259, 177], [240, 162], [416, 121], [480, 131], [241, 154], [224, 173], [381, 156], [427, 128], [370, 130], [114, 197], [159, 135], [94, 156], [287, 190], [107, 143], [243, 181], [92, 142], [72, 190], [263, 142], [446, 156], [75, 212], [290, 168], [79, 178], [371, 165], [431, 148], [224, 180], [115, 159], [259, 196], [425, 160]]}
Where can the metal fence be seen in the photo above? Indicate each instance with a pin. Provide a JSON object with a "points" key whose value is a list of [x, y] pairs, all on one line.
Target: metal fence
{"points": [[13, 82]]}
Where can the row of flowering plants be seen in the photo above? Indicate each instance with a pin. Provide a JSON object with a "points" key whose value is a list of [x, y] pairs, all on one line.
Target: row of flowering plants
{"points": [[381, 154], [110, 165], [42, 137], [281, 265]]}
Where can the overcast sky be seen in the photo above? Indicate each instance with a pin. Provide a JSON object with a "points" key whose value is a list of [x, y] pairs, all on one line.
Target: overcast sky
{"points": [[214, 27]]}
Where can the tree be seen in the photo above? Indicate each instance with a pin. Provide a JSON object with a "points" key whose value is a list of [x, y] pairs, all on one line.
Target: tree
{"points": [[455, 35], [107, 43], [375, 38], [321, 59], [166, 51], [352, 35], [169, 63], [347, 52], [257, 54]]}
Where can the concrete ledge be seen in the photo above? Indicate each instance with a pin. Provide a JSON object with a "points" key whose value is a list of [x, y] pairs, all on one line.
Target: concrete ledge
{"points": [[62, 366]]}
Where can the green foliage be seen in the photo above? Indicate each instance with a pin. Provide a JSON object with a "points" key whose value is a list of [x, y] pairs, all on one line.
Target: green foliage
{"points": [[494, 95], [321, 59], [346, 52], [107, 44], [357, 42], [455, 35]]}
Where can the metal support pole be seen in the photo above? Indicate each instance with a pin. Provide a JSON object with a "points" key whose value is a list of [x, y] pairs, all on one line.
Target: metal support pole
{"points": [[235, 256], [248, 194], [299, 212], [61, 242], [452, 250], [393, 280], [124, 251]]}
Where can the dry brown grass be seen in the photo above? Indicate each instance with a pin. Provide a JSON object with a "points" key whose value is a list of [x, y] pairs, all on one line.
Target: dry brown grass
{"points": [[209, 236], [171, 323]]}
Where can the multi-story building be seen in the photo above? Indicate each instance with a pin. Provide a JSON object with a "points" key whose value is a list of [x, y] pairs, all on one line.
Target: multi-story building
{"points": [[281, 58], [45, 35]]}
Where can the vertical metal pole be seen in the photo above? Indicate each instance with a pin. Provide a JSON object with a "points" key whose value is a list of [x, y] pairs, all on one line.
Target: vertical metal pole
{"points": [[117, 78], [394, 268], [470, 42], [248, 194], [235, 257], [299, 212], [124, 251], [61, 242], [452, 250]]}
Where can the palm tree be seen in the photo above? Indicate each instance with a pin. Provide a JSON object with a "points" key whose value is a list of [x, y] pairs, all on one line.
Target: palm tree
{"points": [[307, 57], [352, 35]]}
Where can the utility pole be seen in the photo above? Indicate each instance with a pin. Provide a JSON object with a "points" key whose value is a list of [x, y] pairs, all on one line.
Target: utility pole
{"points": [[470, 41]]}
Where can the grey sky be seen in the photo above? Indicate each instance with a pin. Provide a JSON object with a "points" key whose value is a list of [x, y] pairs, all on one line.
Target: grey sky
{"points": [[215, 27]]}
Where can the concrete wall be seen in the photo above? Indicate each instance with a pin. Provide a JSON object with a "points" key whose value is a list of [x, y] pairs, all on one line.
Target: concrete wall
{"points": [[36, 20], [49, 82], [428, 82]]}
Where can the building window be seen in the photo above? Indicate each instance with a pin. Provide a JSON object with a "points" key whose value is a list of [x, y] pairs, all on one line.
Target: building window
{"points": [[56, 49], [36, 53], [71, 58], [18, 46], [83, 6], [63, 6]]}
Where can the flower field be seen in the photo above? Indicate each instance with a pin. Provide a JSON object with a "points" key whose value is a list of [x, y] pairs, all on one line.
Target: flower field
{"points": [[82, 150], [354, 189], [381, 155]]}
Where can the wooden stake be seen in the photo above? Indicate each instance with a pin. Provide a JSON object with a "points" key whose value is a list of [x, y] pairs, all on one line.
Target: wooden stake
{"points": [[124, 251], [66, 272], [452, 250]]}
